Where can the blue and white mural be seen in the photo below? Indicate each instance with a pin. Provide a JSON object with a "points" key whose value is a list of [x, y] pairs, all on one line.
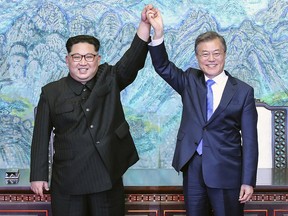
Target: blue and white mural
{"points": [[32, 53]]}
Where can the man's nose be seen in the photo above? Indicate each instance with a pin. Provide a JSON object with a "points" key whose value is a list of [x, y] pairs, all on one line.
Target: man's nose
{"points": [[211, 56], [83, 61]]}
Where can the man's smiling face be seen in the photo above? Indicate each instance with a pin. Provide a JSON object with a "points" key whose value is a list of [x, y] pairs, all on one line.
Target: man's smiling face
{"points": [[83, 71], [211, 57]]}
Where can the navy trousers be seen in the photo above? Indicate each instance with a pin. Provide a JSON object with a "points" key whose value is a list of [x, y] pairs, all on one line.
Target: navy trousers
{"points": [[201, 200]]}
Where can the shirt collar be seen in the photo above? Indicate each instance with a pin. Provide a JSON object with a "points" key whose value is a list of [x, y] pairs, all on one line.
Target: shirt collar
{"points": [[219, 78], [77, 87], [90, 84]]}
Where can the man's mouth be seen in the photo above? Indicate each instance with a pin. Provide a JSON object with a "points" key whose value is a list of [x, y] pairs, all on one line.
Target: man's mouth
{"points": [[211, 65], [82, 70]]}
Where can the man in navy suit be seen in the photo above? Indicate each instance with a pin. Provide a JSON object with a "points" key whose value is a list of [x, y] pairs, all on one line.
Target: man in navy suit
{"points": [[217, 154]]}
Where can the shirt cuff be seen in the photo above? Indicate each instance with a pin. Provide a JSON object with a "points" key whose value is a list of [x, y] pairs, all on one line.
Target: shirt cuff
{"points": [[156, 42]]}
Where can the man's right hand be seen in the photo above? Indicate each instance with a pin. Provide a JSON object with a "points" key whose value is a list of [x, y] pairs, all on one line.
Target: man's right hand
{"points": [[155, 19], [38, 186]]}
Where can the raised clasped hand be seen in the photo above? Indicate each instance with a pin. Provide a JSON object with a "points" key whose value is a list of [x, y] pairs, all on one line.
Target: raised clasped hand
{"points": [[148, 10]]}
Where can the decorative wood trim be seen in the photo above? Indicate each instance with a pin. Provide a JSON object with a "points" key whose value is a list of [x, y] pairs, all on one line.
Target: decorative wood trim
{"points": [[18, 198], [259, 212], [279, 133], [171, 212], [154, 198], [141, 212], [280, 138], [42, 212], [280, 212], [167, 198], [143, 198]]}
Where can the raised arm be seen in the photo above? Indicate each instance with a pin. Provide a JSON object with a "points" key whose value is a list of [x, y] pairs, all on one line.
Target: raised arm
{"points": [[155, 19], [144, 28]]}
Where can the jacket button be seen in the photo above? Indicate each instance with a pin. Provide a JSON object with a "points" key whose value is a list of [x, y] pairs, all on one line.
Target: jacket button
{"points": [[87, 109], [91, 126]]}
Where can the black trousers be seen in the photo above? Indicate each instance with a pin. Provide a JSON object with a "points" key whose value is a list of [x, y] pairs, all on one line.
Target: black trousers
{"points": [[106, 203]]}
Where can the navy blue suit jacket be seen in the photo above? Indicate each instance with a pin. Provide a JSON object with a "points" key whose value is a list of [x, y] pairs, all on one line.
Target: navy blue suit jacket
{"points": [[230, 143]]}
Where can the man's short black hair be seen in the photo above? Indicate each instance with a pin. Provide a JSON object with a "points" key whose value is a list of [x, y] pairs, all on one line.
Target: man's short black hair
{"points": [[82, 39]]}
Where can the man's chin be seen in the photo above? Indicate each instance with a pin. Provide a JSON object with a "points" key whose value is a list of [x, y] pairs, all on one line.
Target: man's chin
{"points": [[82, 79]]}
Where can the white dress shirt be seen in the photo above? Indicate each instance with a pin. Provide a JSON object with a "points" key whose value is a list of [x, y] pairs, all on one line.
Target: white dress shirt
{"points": [[218, 88]]}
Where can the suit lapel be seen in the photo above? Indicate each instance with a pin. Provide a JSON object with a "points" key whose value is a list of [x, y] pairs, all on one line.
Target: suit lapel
{"points": [[228, 93], [201, 92]]}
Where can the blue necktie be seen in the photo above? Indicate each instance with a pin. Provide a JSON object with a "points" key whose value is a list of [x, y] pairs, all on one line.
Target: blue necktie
{"points": [[209, 108]]}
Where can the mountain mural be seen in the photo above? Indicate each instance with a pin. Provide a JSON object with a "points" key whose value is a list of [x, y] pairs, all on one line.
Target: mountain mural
{"points": [[32, 53]]}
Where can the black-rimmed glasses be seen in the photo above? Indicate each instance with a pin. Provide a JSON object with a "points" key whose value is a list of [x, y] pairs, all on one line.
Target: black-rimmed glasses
{"points": [[89, 57]]}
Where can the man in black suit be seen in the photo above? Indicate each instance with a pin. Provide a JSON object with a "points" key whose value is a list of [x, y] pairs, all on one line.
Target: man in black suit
{"points": [[93, 146], [217, 146]]}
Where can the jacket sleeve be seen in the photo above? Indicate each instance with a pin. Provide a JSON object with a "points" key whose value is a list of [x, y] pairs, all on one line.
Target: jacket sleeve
{"points": [[249, 140], [131, 62], [39, 165], [172, 74]]}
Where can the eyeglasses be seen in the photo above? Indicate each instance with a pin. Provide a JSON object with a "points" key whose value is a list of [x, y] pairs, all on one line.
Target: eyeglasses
{"points": [[89, 57], [215, 55]]}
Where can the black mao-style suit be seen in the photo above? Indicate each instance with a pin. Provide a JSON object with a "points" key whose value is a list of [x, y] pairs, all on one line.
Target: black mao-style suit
{"points": [[93, 145]]}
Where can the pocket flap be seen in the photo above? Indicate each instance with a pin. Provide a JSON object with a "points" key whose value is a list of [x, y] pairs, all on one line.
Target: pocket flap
{"points": [[122, 130], [64, 108]]}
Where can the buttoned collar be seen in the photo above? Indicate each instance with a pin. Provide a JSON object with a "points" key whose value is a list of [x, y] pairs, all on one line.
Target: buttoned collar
{"points": [[78, 87]]}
